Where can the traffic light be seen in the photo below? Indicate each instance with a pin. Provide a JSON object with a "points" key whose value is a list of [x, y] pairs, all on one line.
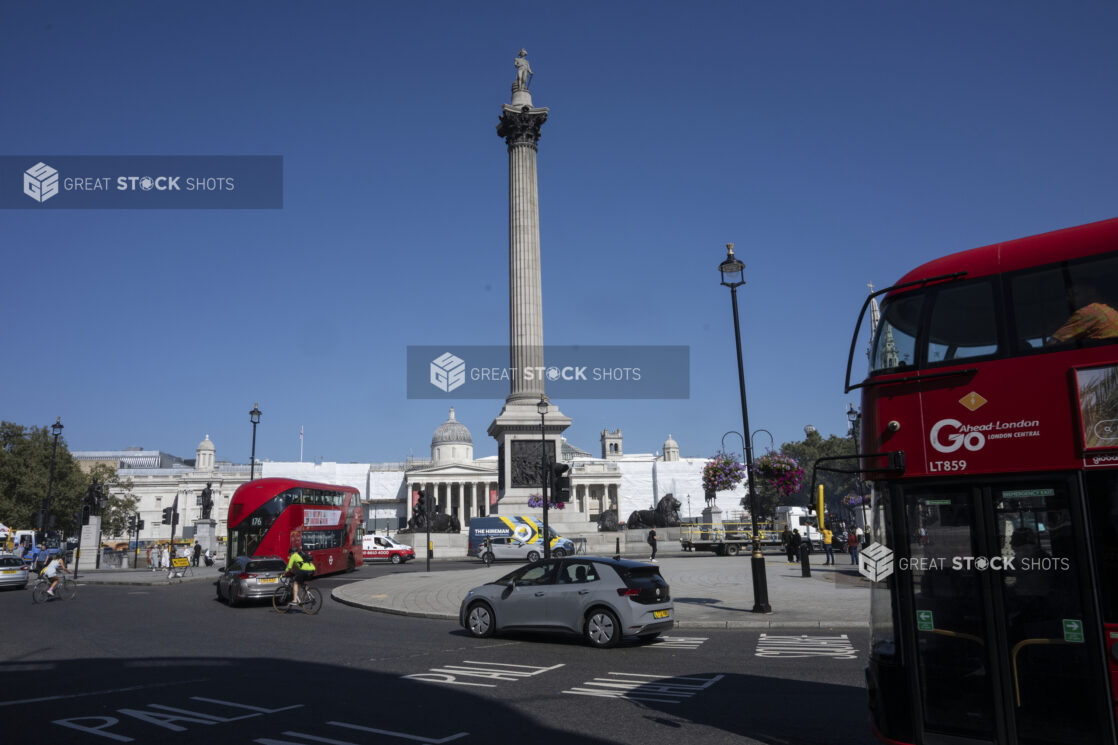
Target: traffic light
{"points": [[169, 515], [139, 525], [560, 482]]}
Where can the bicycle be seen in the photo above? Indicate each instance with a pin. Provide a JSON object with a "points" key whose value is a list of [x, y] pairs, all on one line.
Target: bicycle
{"points": [[281, 599], [66, 590]]}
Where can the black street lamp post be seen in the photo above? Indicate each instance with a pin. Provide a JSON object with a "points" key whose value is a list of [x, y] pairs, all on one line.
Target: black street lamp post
{"points": [[731, 270], [44, 519], [855, 418], [545, 471], [254, 416]]}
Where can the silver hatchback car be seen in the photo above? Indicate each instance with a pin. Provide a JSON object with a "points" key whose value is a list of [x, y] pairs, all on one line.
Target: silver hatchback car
{"points": [[250, 578], [14, 571], [599, 598]]}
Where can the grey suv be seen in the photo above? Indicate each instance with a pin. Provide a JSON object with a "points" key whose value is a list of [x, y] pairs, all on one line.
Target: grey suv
{"points": [[599, 598]]}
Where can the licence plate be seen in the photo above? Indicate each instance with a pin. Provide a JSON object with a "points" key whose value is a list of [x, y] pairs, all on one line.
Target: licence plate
{"points": [[661, 613], [8, 571], [268, 581]]}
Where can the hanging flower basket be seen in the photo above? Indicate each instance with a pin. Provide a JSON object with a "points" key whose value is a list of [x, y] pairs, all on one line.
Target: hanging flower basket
{"points": [[722, 473], [853, 500], [536, 501], [779, 471]]}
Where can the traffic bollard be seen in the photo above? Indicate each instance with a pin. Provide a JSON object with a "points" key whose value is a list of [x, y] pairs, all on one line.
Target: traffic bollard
{"points": [[805, 561]]}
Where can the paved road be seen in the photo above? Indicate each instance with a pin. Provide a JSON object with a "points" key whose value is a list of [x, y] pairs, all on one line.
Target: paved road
{"points": [[168, 664]]}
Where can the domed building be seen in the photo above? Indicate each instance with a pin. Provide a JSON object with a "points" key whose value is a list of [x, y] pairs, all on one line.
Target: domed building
{"points": [[451, 442], [463, 487]]}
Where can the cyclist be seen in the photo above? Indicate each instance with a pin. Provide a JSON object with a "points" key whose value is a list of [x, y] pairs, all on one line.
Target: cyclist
{"points": [[56, 565], [300, 566]]}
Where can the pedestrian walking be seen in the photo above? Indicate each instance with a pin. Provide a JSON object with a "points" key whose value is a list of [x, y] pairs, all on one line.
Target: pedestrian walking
{"points": [[852, 546], [165, 558], [786, 541], [197, 554], [795, 544], [828, 549], [652, 543], [151, 566]]}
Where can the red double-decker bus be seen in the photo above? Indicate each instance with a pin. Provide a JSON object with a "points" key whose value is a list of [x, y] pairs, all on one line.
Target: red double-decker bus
{"points": [[324, 519], [990, 433]]}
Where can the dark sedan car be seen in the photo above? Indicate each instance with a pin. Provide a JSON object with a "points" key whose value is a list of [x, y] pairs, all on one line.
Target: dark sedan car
{"points": [[250, 578], [601, 599]]}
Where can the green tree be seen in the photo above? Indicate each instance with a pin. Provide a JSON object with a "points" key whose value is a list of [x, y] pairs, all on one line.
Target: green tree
{"points": [[121, 502], [25, 456], [835, 485]]}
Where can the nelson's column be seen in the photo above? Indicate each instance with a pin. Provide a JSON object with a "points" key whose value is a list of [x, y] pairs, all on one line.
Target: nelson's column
{"points": [[517, 427]]}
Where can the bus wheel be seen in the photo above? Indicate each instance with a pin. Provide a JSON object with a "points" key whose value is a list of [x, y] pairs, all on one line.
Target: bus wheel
{"points": [[351, 565]]}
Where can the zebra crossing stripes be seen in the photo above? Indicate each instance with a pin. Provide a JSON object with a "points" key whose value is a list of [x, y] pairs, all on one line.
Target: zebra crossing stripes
{"points": [[677, 642], [838, 647]]}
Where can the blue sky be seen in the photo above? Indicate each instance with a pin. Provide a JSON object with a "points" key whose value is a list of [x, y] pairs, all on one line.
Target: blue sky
{"points": [[835, 144]]}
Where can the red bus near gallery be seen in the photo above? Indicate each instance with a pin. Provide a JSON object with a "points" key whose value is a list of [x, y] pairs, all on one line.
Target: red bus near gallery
{"points": [[266, 515], [990, 433]]}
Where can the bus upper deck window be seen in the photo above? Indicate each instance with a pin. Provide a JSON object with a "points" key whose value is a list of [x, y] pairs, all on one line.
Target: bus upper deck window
{"points": [[1066, 304], [895, 344], [963, 323]]}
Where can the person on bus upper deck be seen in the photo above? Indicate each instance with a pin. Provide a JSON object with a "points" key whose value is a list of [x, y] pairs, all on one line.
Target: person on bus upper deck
{"points": [[1094, 319]]}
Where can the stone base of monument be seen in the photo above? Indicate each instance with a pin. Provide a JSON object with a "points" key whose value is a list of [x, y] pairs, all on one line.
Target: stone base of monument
{"points": [[205, 533], [633, 543], [443, 545]]}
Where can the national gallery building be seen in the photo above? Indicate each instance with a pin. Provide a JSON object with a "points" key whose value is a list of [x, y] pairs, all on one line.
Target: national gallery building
{"points": [[464, 486]]}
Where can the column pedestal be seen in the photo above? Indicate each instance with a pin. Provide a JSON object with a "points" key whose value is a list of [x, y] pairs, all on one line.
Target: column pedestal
{"points": [[712, 523], [205, 533]]}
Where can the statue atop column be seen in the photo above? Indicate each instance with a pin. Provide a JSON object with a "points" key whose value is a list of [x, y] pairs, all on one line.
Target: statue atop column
{"points": [[523, 71]]}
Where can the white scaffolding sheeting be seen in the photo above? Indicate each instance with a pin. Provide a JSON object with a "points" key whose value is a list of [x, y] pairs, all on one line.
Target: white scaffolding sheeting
{"points": [[387, 485], [343, 474]]}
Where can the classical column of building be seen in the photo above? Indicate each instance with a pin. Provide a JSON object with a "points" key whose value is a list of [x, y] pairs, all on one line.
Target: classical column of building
{"points": [[463, 499]]}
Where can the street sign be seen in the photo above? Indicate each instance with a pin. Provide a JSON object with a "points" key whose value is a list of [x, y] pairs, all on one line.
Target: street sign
{"points": [[1073, 631], [924, 621]]}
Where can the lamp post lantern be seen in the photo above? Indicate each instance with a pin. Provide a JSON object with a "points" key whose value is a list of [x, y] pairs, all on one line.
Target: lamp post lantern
{"points": [[545, 471], [731, 270], [44, 519], [254, 416]]}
